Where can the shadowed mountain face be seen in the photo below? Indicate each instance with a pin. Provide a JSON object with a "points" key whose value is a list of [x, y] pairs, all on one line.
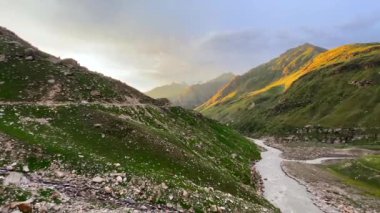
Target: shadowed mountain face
{"points": [[339, 88], [193, 95], [78, 120]]}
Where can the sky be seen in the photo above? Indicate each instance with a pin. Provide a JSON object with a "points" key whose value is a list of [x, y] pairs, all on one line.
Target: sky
{"points": [[151, 43]]}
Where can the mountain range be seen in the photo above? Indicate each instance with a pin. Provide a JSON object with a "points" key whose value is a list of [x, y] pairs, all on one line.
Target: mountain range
{"points": [[190, 96], [305, 92]]}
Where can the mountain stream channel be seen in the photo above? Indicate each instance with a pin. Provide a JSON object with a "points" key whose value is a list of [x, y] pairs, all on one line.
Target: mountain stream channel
{"points": [[283, 191]]}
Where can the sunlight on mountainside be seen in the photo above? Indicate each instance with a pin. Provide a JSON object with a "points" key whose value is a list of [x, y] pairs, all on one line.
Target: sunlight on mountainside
{"points": [[332, 57]]}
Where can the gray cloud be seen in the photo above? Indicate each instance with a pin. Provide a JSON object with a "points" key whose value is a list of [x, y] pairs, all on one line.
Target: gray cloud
{"points": [[151, 44]]}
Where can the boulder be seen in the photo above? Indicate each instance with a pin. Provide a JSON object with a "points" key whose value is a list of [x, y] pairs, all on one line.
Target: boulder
{"points": [[30, 52], [29, 58], [14, 178], [69, 62], [3, 58], [95, 93]]}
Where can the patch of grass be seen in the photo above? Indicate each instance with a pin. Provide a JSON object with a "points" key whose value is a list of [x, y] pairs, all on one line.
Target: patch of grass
{"points": [[362, 173], [35, 163]]}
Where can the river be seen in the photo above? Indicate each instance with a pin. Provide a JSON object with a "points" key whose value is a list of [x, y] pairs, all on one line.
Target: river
{"points": [[281, 190]]}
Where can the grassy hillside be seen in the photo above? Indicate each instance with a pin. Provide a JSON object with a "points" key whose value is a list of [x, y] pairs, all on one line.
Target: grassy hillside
{"points": [[91, 125], [285, 64], [191, 96], [337, 93]]}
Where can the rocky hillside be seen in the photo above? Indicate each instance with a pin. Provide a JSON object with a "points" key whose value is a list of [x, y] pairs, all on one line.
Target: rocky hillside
{"points": [[191, 96], [334, 98], [73, 140], [258, 77]]}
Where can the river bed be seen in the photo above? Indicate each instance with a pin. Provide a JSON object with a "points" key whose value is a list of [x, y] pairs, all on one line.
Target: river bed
{"points": [[281, 190]]}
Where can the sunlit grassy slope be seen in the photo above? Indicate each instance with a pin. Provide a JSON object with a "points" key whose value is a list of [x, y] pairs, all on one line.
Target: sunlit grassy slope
{"points": [[339, 88], [259, 77]]}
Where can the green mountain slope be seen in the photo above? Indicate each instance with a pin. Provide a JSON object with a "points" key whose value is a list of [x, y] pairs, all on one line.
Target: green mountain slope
{"points": [[260, 76], [334, 98], [191, 96], [89, 125]]}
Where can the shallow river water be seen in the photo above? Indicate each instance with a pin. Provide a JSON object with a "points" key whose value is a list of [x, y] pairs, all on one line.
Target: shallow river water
{"points": [[281, 190]]}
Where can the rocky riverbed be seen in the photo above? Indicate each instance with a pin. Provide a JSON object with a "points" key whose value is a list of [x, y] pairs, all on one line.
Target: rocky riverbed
{"points": [[327, 191]]}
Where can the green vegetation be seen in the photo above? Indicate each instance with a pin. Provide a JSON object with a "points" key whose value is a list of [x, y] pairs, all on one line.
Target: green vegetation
{"points": [[44, 104], [339, 89], [362, 173], [285, 64]]}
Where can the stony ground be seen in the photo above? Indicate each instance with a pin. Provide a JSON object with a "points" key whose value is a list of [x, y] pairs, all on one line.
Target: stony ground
{"points": [[329, 191], [309, 151], [57, 189]]}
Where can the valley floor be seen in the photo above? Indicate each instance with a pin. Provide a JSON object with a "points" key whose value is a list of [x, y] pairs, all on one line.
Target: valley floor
{"points": [[346, 185]]}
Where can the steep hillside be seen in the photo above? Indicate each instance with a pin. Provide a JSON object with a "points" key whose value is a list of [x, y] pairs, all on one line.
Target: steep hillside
{"points": [[170, 91], [262, 75], [191, 96], [334, 98], [71, 139]]}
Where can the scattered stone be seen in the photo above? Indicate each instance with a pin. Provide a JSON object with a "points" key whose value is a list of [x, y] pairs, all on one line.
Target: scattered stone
{"points": [[119, 179], [69, 62], [107, 189], [59, 174], [164, 186], [95, 93], [25, 168], [213, 208], [14, 178], [29, 58], [97, 179]]}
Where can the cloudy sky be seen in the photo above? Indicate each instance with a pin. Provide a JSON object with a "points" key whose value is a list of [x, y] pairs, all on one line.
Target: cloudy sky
{"points": [[150, 43]]}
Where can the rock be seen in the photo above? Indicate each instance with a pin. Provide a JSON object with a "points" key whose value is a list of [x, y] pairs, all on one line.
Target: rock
{"points": [[51, 81], [3, 58], [14, 178], [185, 193], [119, 179], [213, 208], [25, 169], [30, 52], [97, 125], [29, 58], [97, 179], [95, 93], [164, 186], [25, 208], [107, 189], [117, 164], [69, 62], [59, 174], [130, 201]]}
